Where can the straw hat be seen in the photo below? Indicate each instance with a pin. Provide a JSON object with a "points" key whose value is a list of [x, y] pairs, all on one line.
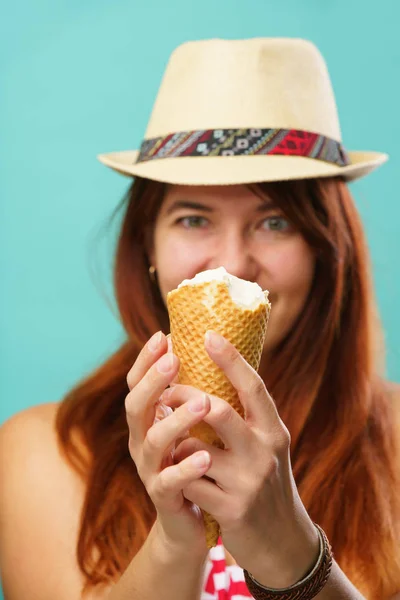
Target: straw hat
{"points": [[244, 111]]}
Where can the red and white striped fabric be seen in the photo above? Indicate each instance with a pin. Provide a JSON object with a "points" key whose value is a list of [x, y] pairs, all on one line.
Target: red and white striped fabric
{"points": [[222, 581]]}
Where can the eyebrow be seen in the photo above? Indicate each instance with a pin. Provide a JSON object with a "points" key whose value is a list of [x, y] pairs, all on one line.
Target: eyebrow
{"points": [[190, 205], [266, 204]]}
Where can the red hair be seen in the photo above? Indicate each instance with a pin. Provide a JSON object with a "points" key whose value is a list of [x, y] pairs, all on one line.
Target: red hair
{"points": [[324, 377]]}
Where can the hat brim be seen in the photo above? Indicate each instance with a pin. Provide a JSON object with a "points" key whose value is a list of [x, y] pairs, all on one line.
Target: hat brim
{"points": [[231, 170]]}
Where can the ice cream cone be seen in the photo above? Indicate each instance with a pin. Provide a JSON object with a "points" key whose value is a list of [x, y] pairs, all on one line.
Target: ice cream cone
{"points": [[193, 310]]}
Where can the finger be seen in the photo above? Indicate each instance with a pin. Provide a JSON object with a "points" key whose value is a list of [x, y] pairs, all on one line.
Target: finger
{"points": [[224, 419], [140, 403], [162, 412], [223, 469], [170, 349], [161, 438], [208, 496], [169, 342], [166, 488], [259, 407], [150, 353], [190, 445]]}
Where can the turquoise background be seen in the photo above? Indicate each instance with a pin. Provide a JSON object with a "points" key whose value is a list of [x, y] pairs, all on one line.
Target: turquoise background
{"points": [[79, 78]]}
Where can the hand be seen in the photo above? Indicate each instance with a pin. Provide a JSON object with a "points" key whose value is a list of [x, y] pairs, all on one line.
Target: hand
{"points": [[152, 443], [254, 498]]}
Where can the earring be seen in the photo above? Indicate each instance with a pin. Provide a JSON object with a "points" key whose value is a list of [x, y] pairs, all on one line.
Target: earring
{"points": [[152, 274]]}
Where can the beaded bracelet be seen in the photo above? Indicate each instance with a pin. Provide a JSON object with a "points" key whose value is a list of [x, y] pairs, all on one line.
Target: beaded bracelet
{"points": [[305, 589]]}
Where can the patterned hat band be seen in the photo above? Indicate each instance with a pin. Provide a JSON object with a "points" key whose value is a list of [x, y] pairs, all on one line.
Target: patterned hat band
{"points": [[245, 142]]}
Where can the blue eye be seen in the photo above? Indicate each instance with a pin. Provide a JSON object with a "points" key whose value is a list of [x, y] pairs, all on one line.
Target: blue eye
{"points": [[276, 224], [193, 222]]}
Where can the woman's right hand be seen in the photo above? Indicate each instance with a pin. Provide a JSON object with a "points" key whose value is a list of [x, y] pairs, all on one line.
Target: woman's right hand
{"points": [[152, 443]]}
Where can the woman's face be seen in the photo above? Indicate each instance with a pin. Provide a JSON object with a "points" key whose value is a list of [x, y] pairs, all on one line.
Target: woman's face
{"points": [[205, 227]]}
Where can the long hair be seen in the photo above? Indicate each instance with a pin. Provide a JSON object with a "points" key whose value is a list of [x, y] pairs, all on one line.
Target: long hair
{"points": [[325, 378]]}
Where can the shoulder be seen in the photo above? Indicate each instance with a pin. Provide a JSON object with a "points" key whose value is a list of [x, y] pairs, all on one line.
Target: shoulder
{"points": [[26, 436], [30, 436], [395, 389], [40, 509], [394, 394], [28, 441], [41, 415]]}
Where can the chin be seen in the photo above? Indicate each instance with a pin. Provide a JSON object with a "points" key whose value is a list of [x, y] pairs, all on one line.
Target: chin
{"points": [[276, 332], [270, 342]]}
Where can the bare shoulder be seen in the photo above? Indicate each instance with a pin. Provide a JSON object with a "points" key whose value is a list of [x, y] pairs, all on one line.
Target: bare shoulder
{"points": [[41, 412], [30, 421], [28, 445], [40, 508], [394, 390], [28, 436]]}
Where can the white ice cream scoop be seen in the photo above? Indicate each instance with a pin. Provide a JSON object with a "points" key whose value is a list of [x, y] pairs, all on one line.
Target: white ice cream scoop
{"points": [[246, 294]]}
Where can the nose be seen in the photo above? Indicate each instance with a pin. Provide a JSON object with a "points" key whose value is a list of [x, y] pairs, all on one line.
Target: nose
{"points": [[233, 253]]}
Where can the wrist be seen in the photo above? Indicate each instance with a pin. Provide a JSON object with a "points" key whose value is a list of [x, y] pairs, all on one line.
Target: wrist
{"points": [[294, 559], [308, 587], [167, 549]]}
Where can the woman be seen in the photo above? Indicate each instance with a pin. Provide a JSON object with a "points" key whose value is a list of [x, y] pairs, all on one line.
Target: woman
{"points": [[114, 511]]}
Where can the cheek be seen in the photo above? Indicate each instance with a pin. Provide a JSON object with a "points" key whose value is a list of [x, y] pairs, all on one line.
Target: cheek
{"points": [[291, 268], [291, 271], [175, 261], [172, 252]]}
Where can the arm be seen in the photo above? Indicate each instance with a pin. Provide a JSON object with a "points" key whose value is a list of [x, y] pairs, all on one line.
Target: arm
{"points": [[264, 524], [40, 505], [338, 587], [42, 497], [161, 571]]}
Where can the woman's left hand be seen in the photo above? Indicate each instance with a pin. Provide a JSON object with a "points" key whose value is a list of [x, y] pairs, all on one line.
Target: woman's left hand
{"points": [[254, 498]]}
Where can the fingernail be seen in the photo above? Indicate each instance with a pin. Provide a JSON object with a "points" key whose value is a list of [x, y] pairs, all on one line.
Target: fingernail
{"points": [[166, 394], [155, 341], [162, 412], [215, 340], [201, 460], [165, 364], [169, 342], [197, 404]]}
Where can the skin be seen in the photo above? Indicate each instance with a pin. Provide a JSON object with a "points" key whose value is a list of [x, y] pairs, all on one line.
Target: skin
{"points": [[250, 488], [232, 228], [200, 228], [264, 525]]}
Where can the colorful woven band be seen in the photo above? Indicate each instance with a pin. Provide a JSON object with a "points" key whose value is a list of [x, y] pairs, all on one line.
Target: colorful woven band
{"points": [[245, 142], [305, 589]]}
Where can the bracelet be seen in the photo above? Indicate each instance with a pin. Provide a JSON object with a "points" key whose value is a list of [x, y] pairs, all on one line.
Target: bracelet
{"points": [[305, 589]]}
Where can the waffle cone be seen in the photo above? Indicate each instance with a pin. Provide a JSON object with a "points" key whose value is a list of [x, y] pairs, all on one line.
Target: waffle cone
{"points": [[193, 310]]}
